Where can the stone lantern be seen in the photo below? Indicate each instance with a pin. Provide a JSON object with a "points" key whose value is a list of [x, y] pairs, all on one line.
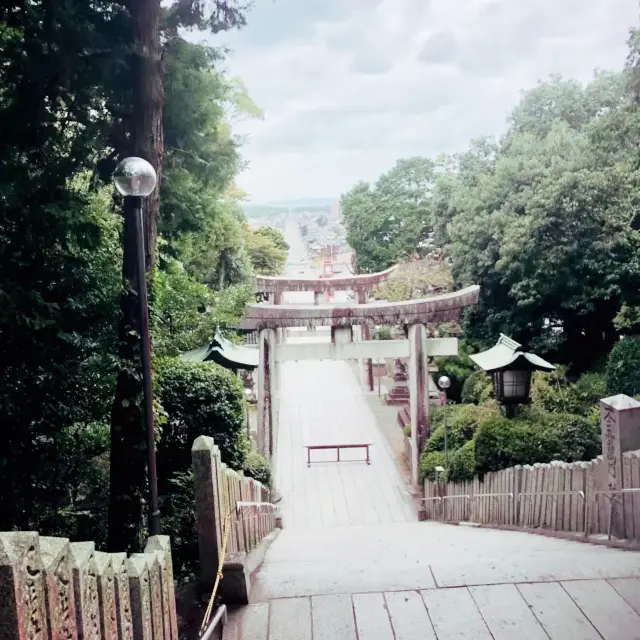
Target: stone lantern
{"points": [[511, 370]]}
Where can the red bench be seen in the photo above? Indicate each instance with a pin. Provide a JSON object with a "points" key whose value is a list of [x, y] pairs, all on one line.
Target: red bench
{"points": [[337, 447]]}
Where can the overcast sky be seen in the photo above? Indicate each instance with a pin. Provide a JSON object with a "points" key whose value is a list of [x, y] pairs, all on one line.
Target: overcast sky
{"points": [[350, 86]]}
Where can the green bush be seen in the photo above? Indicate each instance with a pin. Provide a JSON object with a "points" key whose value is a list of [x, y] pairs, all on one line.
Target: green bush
{"points": [[577, 437], [429, 460], [502, 443], [623, 368], [462, 464], [179, 523], [458, 369], [407, 430], [539, 437], [257, 467], [477, 388], [382, 333], [198, 399], [462, 423], [553, 392]]}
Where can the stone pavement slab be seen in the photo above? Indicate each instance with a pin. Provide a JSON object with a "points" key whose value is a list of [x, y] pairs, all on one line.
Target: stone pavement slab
{"points": [[409, 616], [557, 612], [506, 613], [322, 403], [332, 617], [578, 610]]}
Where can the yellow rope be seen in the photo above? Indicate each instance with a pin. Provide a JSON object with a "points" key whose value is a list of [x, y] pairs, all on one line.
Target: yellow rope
{"points": [[225, 537]]}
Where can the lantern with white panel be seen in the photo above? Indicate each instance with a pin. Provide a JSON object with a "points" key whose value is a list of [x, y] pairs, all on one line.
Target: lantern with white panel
{"points": [[511, 370]]}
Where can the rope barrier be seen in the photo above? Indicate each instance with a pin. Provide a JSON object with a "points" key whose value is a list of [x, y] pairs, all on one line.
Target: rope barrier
{"points": [[207, 615]]}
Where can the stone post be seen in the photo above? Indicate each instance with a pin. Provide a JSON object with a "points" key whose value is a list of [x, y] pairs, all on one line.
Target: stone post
{"points": [[161, 545], [106, 595], [154, 587], [22, 587], [138, 571], [58, 569], [206, 464], [620, 424], [266, 373], [85, 584], [418, 394], [123, 598]]}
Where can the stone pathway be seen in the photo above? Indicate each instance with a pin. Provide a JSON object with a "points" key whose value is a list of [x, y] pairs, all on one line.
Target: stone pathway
{"points": [[353, 564], [414, 581], [321, 403]]}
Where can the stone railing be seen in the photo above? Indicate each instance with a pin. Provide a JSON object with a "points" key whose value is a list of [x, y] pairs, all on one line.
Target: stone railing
{"points": [[51, 588], [228, 502], [557, 496]]}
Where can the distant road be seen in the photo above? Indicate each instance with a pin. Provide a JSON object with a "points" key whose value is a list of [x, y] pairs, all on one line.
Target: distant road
{"points": [[299, 265]]}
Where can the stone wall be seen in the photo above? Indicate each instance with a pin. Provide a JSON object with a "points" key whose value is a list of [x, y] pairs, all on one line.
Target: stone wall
{"points": [[558, 496], [52, 589], [220, 494]]}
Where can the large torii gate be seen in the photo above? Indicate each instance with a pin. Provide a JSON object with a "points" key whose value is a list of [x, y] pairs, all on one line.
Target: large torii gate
{"points": [[414, 314], [273, 288]]}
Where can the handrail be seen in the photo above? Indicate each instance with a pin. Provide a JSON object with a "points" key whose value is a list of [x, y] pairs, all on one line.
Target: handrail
{"points": [[221, 616], [240, 505], [491, 495], [462, 495], [552, 493]]}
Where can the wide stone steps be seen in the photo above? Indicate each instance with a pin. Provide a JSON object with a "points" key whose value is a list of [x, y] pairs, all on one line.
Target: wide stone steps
{"points": [[584, 610]]}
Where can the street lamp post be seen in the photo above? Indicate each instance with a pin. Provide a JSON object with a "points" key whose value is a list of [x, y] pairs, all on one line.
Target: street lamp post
{"points": [[444, 383], [135, 179]]}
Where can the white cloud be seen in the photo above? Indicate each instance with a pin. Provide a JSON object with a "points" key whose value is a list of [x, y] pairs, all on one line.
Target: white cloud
{"points": [[350, 86]]}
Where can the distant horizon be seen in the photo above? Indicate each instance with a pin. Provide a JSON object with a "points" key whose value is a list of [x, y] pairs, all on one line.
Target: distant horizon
{"points": [[294, 202]]}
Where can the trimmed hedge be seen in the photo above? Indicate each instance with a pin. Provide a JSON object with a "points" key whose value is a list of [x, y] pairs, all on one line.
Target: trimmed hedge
{"points": [[462, 464], [462, 422], [429, 460], [501, 443], [257, 466], [623, 368], [199, 399], [477, 388], [553, 392], [458, 369]]}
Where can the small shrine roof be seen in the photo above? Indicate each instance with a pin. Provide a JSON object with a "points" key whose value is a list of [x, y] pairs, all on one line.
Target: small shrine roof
{"points": [[225, 353], [507, 353]]}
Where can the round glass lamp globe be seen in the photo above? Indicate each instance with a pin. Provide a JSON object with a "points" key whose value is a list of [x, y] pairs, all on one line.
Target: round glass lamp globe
{"points": [[444, 382], [134, 177]]}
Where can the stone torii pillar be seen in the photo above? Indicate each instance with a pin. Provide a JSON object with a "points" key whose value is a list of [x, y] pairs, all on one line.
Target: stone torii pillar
{"points": [[266, 391], [366, 366], [418, 392]]}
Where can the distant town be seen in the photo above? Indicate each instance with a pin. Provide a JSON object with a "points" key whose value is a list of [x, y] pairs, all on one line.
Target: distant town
{"points": [[321, 227]]}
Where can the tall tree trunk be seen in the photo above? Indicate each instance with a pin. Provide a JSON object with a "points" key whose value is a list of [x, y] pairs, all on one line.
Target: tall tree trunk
{"points": [[128, 476]]}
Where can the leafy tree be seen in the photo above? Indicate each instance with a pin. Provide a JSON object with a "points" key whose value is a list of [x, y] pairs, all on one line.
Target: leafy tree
{"points": [[267, 249], [623, 368], [198, 399], [146, 128], [392, 219]]}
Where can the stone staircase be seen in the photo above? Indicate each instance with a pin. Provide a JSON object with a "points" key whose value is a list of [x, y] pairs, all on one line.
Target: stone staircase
{"points": [[427, 580]]}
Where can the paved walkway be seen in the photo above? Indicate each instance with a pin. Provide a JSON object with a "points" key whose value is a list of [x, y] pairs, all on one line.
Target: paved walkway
{"points": [[422, 580], [353, 564], [322, 403]]}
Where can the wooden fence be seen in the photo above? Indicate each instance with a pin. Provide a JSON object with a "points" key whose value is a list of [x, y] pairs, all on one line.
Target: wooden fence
{"points": [[227, 502], [559, 496], [51, 588]]}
